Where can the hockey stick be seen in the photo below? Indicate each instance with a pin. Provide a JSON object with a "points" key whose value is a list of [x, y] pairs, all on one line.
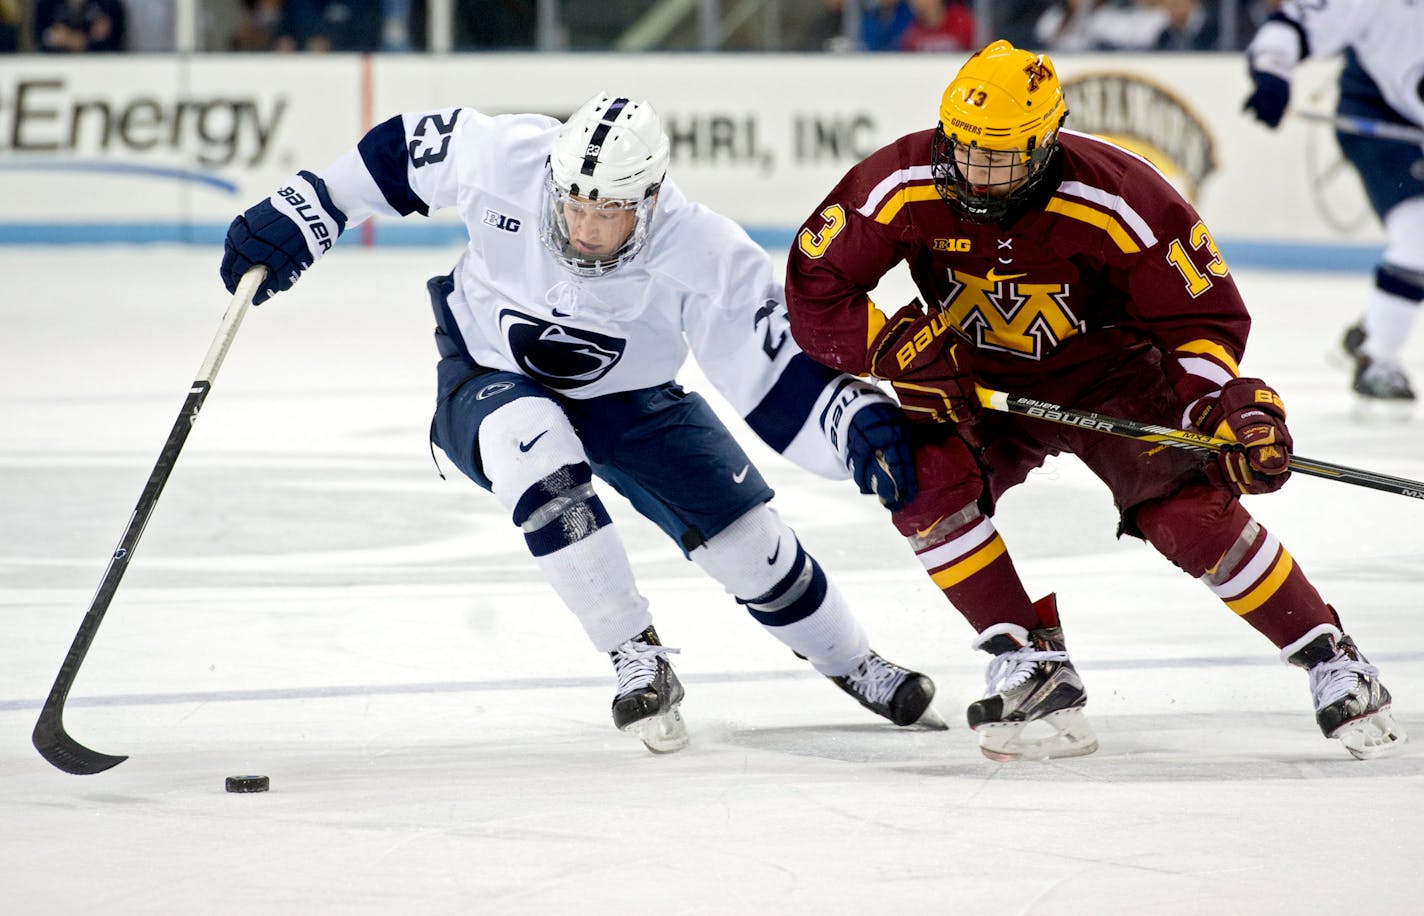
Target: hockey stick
{"points": [[1364, 127], [1181, 438], [50, 738]]}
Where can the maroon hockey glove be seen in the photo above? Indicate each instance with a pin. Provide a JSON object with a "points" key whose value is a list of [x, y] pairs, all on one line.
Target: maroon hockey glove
{"points": [[926, 364], [1249, 412]]}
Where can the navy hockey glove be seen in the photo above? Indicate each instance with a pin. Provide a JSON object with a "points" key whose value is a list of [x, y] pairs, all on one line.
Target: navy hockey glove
{"points": [[286, 233], [881, 459], [1249, 412], [926, 364], [1268, 102]]}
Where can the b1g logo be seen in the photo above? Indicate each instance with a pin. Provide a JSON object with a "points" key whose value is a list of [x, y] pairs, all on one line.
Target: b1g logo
{"points": [[500, 221]]}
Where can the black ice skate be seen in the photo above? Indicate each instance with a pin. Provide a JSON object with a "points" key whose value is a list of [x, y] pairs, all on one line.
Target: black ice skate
{"points": [[1030, 680], [646, 703], [899, 694], [1350, 702], [1375, 380]]}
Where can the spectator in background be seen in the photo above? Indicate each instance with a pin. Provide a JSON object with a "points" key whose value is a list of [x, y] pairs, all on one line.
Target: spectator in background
{"points": [[495, 24], [883, 23], [1191, 26], [329, 25], [150, 25], [819, 30], [938, 25], [11, 22], [1101, 25], [79, 26], [257, 25]]}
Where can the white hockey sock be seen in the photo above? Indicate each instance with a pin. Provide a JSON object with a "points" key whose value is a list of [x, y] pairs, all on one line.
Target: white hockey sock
{"points": [[761, 562], [1387, 322], [1393, 304], [595, 581]]}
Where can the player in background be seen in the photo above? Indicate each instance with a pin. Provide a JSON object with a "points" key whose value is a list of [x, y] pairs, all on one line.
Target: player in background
{"points": [[560, 330], [1382, 80], [1060, 267]]}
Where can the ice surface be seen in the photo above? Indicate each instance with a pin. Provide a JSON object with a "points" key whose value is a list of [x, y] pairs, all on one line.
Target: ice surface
{"points": [[313, 602]]}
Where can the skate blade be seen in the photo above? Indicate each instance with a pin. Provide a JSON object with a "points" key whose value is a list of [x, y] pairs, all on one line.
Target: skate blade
{"points": [[930, 721], [1072, 737], [1374, 736], [662, 734]]}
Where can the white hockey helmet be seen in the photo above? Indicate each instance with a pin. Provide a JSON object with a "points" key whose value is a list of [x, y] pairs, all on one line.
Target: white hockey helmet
{"points": [[610, 156]]}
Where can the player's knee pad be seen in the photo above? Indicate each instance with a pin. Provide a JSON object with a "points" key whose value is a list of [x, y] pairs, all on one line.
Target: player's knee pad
{"points": [[762, 563], [1194, 527], [523, 442], [537, 468], [949, 479]]}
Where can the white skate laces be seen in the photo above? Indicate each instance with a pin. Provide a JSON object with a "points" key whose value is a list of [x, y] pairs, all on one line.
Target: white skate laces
{"points": [[1335, 679], [876, 679], [637, 664], [1011, 669], [1033, 702], [648, 694]]}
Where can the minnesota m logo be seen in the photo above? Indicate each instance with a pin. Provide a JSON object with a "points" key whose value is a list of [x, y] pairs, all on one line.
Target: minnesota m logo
{"points": [[1024, 319]]}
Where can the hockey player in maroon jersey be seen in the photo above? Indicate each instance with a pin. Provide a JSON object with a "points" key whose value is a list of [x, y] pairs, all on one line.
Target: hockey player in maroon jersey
{"points": [[1057, 266]]}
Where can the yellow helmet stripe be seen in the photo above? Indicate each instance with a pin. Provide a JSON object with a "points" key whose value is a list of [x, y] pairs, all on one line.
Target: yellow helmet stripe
{"points": [[1103, 221]]}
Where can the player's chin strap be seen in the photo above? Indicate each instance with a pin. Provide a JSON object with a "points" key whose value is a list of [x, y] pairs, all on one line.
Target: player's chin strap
{"points": [[1181, 438]]}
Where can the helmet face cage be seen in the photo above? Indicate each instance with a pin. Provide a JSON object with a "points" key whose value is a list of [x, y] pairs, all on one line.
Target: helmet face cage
{"points": [[554, 227], [1009, 177], [609, 158]]}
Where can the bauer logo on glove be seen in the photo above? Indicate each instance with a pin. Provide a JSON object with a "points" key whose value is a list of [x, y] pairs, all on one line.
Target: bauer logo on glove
{"points": [[1250, 413], [923, 361]]}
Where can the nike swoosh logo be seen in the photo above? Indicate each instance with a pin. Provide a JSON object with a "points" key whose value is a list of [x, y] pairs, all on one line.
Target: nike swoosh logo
{"points": [[774, 554], [526, 446], [558, 314], [742, 474], [919, 533], [996, 277]]}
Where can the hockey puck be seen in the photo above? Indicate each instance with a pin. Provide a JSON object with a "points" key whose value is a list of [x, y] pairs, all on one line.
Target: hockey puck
{"points": [[248, 783]]}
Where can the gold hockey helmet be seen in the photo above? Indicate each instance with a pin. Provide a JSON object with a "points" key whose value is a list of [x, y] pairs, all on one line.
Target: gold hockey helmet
{"points": [[998, 126]]}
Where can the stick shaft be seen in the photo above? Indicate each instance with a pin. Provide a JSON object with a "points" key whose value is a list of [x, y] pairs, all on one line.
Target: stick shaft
{"points": [[1181, 438], [49, 736], [1364, 127]]}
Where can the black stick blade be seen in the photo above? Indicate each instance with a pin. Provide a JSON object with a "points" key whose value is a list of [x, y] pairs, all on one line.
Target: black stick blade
{"points": [[55, 745]]}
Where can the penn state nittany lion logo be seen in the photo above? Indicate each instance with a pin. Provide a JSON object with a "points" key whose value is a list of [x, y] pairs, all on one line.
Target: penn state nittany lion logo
{"points": [[558, 357]]}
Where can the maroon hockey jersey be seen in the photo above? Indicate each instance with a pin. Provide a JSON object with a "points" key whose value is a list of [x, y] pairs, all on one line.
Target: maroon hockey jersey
{"points": [[1113, 261]]}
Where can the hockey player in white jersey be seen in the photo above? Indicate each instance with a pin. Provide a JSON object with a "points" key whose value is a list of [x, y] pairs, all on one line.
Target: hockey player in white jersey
{"points": [[1382, 81], [560, 332]]}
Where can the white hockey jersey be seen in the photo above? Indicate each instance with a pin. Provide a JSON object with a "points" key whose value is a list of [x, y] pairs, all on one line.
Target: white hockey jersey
{"points": [[699, 281], [1387, 37]]}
